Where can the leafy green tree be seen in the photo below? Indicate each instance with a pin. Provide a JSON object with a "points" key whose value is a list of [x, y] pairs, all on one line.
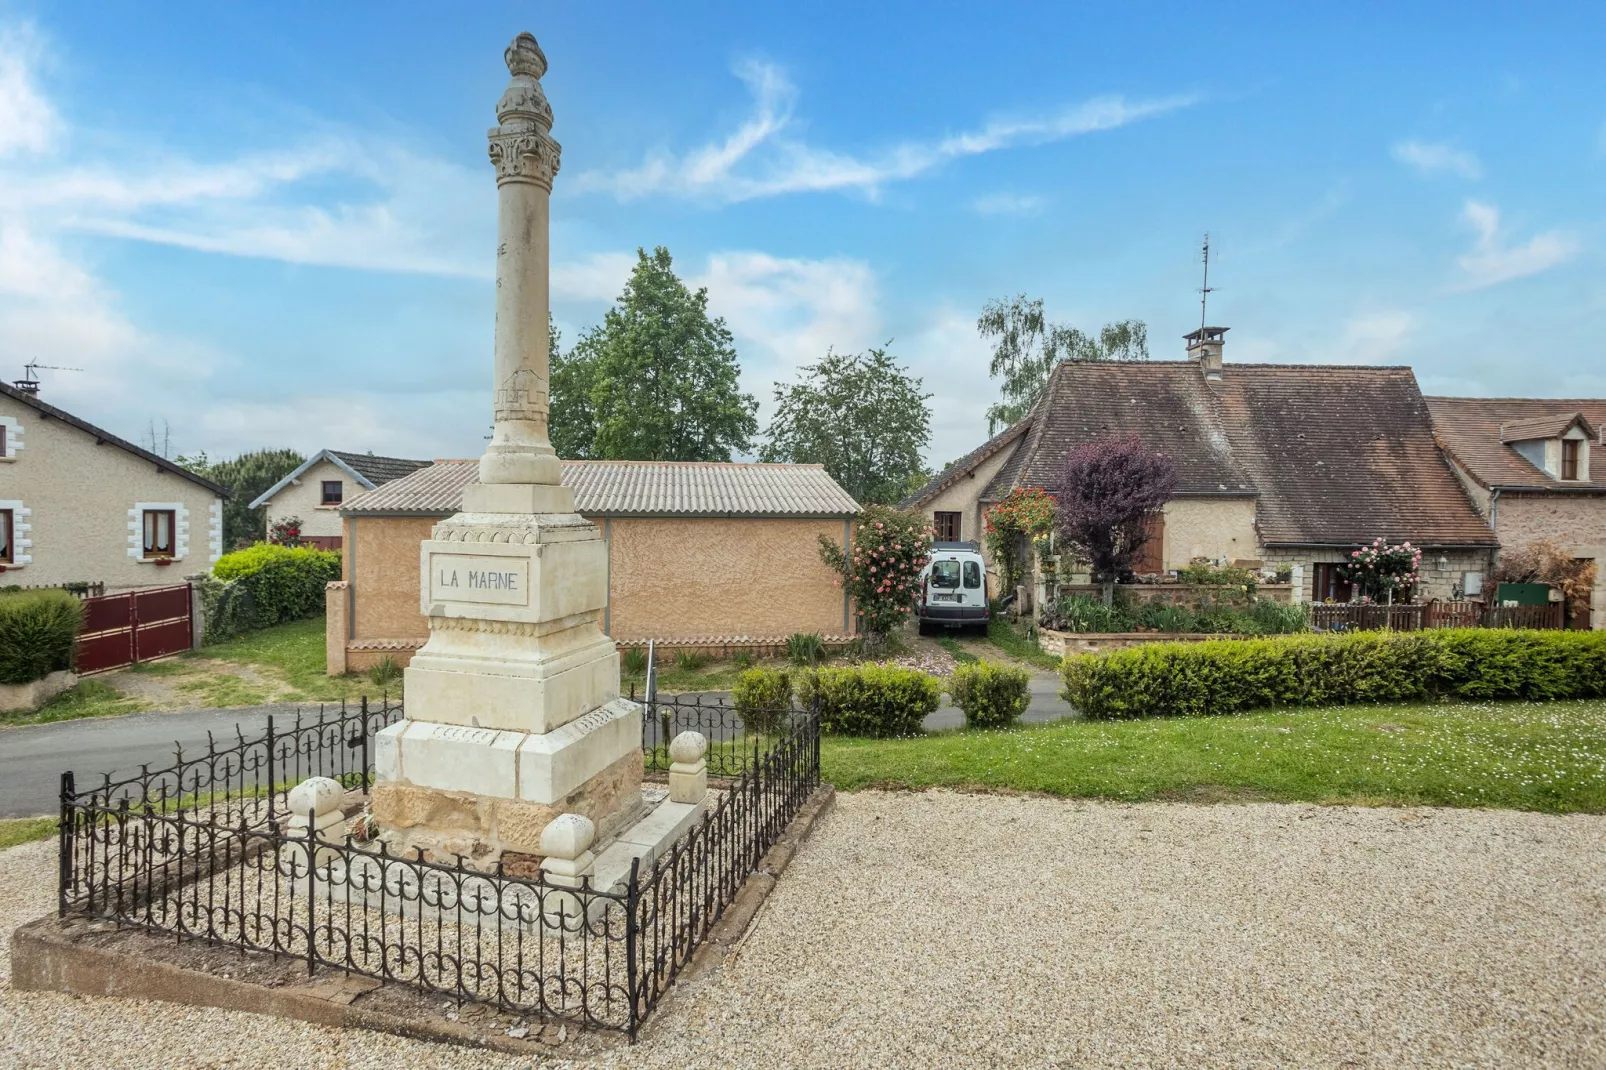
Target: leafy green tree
{"points": [[245, 477], [1026, 347], [572, 423], [657, 380], [861, 416]]}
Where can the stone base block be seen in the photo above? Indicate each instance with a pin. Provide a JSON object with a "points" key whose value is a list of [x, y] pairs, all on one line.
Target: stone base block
{"points": [[494, 691], [480, 828], [541, 768], [646, 840], [517, 498]]}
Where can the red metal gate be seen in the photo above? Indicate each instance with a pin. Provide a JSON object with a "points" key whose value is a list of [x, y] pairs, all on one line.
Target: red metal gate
{"points": [[121, 629]]}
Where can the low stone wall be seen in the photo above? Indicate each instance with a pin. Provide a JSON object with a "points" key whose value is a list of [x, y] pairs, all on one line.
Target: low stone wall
{"points": [[31, 696], [1058, 644]]}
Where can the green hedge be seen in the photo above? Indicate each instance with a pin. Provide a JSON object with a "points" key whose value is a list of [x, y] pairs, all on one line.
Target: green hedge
{"points": [[1229, 676], [871, 700], [281, 583], [763, 699], [992, 695], [37, 632]]}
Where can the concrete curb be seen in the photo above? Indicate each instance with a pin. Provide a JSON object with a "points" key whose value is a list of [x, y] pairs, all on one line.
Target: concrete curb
{"points": [[727, 933]]}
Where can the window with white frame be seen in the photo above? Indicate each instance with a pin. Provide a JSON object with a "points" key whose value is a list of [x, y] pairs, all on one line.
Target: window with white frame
{"points": [[161, 533], [10, 437]]}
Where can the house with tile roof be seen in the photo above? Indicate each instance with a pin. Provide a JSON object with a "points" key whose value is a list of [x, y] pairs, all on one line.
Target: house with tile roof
{"points": [[699, 554], [316, 490], [1293, 464], [78, 504], [1536, 470]]}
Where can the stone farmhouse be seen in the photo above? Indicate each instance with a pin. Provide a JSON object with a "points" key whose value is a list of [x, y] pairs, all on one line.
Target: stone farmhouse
{"points": [[315, 491], [1536, 469], [698, 554], [80, 505], [1293, 464]]}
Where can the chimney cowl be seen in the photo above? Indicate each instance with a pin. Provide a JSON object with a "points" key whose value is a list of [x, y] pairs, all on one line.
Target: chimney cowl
{"points": [[1204, 346]]}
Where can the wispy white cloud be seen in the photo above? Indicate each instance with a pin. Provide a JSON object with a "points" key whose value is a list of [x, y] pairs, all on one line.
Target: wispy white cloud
{"points": [[1491, 261], [598, 277], [1009, 204], [28, 123], [1375, 337], [1430, 158], [763, 158]]}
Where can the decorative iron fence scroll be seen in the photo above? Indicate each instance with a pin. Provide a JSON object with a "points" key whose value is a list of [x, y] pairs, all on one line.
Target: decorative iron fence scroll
{"points": [[203, 850]]}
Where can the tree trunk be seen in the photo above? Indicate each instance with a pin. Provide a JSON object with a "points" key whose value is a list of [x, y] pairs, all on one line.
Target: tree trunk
{"points": [[1109, 591]]}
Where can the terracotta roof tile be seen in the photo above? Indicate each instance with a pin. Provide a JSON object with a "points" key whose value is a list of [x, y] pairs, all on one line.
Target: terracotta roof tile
{"points": [[1471, 429], [635, 488]]}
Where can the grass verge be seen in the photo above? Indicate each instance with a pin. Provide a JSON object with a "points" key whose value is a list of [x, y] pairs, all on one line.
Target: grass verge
{"points": [[1525, 756], [296, 651], [1014, 642], [15, 830], [90, 698]]}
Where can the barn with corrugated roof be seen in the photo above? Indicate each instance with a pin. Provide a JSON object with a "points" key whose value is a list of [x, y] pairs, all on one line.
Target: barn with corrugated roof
{"points": [[699, 554]]}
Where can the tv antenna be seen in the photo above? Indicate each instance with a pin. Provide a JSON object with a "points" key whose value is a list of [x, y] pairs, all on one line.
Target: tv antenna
{"points": [[1205, 290], [29, 383]]}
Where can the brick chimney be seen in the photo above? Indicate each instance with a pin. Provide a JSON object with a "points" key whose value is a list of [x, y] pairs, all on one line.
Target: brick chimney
{"points": [[1204, 346]]}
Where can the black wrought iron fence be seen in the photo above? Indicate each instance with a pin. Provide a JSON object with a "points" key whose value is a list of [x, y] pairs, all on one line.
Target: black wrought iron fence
{"points": [[205, 850]]}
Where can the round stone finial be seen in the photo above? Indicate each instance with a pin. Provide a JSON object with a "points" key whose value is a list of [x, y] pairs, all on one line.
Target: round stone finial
{"points": [[568, 836], [688, 748], [319, 794], [524, 56]]}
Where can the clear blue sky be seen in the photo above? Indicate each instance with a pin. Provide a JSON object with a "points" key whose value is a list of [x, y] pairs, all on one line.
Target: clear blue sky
{"points": [[270, 224]]}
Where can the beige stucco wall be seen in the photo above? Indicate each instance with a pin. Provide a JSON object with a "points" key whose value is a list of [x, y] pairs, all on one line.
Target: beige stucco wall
{"points": [[75, 497], [964, 498], [380, 562], [1220, 529], [302, 499], [668, 578], [686, 578]]}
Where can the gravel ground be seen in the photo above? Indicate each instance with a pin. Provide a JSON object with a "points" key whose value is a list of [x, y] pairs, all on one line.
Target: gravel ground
{"points": [[938, 929]]}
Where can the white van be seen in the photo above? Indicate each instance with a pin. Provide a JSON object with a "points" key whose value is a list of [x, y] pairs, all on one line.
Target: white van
{"points": [[953, 588]]}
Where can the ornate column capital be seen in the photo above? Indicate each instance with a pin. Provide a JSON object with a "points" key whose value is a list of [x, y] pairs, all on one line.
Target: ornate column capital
{"points": [[522, 147]]}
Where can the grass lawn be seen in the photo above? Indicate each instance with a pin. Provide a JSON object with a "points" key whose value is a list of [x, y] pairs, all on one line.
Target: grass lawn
{"points": [[295, 653], [1518, 755], [25, 830]]}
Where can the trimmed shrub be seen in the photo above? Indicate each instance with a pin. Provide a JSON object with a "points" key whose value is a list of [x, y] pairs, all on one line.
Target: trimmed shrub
{"points": [[871, 700], [283, 583], [763, 699], [1193, 679], [37, 632], [992, 695]]}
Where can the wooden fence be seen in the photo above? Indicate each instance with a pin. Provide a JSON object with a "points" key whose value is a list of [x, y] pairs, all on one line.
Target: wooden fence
{"points": [[1415, 616]]}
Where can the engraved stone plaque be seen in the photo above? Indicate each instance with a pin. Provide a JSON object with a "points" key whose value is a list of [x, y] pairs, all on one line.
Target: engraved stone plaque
{"points": [[502, 581]]}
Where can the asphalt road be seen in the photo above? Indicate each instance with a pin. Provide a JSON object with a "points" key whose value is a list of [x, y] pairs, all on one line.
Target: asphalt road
{"points": [[33, 757]]}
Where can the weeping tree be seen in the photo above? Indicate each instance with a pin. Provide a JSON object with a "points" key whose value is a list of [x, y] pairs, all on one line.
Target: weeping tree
{"points": [[1026, 347], [1106, 488]]}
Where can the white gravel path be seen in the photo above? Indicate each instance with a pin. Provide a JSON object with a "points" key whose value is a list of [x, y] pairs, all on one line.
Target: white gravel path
{"points": [[960, 930]]}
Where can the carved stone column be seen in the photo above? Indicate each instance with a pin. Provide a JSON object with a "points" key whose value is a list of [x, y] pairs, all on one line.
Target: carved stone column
{"points": [[513, 708]]}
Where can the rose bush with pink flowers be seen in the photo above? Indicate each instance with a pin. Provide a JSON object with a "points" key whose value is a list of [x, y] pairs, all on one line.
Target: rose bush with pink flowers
{"points": [[881, 568], [1384, 573]]}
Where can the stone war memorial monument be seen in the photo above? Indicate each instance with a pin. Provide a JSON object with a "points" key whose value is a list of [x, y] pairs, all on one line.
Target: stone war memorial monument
{"points": [[513, 712], [495, 840]]}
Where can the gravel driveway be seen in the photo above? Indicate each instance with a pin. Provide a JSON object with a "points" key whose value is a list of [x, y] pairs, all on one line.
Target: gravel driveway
{"points": [[938, 929]]}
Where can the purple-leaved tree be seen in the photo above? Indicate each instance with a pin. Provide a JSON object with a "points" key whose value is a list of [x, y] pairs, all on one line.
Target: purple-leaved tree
{"points": [[1107, 487]]}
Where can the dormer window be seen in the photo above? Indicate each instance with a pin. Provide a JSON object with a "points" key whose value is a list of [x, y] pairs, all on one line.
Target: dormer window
{"points": [[1570, 449]]}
